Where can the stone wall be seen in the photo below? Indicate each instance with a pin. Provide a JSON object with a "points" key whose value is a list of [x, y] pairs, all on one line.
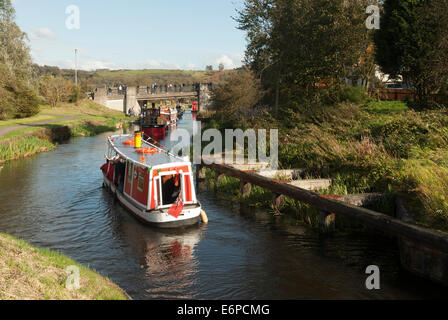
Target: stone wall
{"points": [[131, 102], [117, 104], [205, 96], [100, 96]]}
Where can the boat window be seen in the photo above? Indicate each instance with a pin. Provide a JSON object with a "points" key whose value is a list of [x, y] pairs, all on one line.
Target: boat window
{"points": [[130, 167], [171, 188], [141, 181]]}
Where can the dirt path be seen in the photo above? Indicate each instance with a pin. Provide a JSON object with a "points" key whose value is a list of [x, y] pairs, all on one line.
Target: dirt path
{"points": [[5, 130]]}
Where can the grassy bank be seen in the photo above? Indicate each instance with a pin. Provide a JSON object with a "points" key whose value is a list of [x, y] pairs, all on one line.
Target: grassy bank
{"points": [[68, 120], [229, 187], [28, 273], [24, 147], [365, 146]]}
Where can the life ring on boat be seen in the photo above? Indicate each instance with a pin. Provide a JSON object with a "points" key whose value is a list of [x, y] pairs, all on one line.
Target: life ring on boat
{"points": [[147, 150], [129, 142]]}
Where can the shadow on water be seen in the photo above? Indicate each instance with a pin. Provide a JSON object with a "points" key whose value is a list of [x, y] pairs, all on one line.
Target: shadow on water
{"points": [[55, 200]]}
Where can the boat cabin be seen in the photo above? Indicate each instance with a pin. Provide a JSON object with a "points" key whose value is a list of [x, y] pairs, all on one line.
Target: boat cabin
{"points": [[153, 179]]}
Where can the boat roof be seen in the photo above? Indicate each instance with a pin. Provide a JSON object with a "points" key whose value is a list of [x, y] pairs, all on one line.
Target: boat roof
{"points": [[160, 158]]}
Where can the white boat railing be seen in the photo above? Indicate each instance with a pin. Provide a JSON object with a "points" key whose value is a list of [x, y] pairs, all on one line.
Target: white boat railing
{"points": [[114, 147], [159, 148]]}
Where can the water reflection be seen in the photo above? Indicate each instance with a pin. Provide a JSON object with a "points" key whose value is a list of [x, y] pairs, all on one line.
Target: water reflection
{"points": [[55, 200], [166, 257]]}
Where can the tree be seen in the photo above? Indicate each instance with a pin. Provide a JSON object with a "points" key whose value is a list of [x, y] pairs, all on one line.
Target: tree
{"points": [[209, 68], [7, 95], [14, 52], [56, 90], [221, 67], [303, 44], [17, 97], [27, 103], [413, 43], [235, 98]]}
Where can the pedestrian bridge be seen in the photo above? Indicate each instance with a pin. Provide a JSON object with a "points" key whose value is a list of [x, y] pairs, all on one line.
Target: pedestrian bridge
{"points": [[132, 99]]}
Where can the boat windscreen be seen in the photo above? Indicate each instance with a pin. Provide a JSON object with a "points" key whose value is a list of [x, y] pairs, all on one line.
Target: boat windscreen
{"points": [[152, 159], [171, 189]]}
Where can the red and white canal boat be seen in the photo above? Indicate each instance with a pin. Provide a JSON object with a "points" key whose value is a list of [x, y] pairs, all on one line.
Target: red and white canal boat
{"points": [[154, 185], [155, 122], [195, 107]]}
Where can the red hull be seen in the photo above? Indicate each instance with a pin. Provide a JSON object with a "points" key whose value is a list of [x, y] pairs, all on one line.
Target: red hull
{"points": [[157, 133]]}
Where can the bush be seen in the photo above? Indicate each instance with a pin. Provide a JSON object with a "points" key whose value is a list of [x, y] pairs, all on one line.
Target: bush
{"points": [[356, 95], [76, 94], [16, 99], [27, 103], [234, 100], [428, 183], [56, 90]]}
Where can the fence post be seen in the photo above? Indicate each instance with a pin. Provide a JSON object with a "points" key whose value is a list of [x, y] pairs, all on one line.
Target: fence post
{"points": [[218, 178], [200, 172], [327, 222], [278, 200], [245, 189]]}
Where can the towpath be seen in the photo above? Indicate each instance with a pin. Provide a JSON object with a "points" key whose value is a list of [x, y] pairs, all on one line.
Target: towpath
{"points": [[5, 130]]}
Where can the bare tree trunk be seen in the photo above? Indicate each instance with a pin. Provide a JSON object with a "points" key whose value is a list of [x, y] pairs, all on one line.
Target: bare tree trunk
{"points": [[277, 96]]}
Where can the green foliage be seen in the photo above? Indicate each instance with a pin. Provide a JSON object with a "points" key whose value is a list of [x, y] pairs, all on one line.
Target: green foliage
{"points": [[17, 98], [27, 103], [14, 52], [400, 135], [76, 94], [23, 147], [428, 183], [289, 40], [357, 95], [236, 98], [380, 147], [386, 107], [56, 90], [412, 43]]}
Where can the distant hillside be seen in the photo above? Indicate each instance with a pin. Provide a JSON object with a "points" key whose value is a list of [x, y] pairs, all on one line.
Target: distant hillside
{"points": [[93, 79]]}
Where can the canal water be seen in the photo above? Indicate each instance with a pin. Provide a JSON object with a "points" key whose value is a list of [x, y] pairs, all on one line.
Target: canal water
{"points": [[55, 200]]}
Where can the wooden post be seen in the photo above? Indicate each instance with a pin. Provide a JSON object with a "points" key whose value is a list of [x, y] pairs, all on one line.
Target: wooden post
{"points": [[326, 222], [278, 200], [245, 189], [218, 178], [200, 172]]}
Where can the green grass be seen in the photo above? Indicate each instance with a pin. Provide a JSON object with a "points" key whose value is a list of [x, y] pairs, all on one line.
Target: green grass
{"points": [[38, 118], [85, 111], [16, 146], [91, 119], [24, 147], [386, 107], [20, 132], [40, 274]]}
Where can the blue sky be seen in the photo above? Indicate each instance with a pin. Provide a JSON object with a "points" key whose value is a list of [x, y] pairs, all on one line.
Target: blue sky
{"points": [[134, 34]]}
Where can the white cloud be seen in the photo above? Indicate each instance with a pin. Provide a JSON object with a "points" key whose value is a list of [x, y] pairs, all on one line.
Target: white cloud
{"points": [[152, 64], [41, 34], [190, 66], [230, 62], [226, 61], [94, 65]]}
